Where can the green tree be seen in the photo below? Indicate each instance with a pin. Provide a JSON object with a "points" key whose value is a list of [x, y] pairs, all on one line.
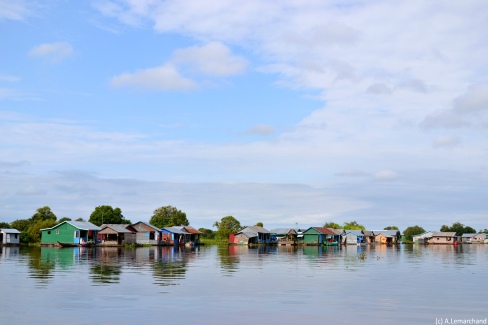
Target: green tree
{"points": [[227, 226], [63, 220], [332, 225], [80, 219], [168, 216], [353, 225], [485, 231], [458, 228], [207, 233], [391, 228], [412, 231], [4, 225], [42, 214], [105, 214], [22, 225], [259, 224], [34, 231]]}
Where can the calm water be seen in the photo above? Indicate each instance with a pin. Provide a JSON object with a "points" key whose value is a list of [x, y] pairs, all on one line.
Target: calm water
{"points": [[239, 285]]}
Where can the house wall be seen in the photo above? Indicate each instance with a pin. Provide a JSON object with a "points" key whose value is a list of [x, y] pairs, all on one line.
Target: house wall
{"points": [[312, 236], [351, 239], [64, 233], [441, 240], [8, 238], [241, 239], [143, 238]]}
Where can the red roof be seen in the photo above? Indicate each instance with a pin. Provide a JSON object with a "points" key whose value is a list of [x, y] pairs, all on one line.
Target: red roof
{"points": [[192, 230], [327, 231]]}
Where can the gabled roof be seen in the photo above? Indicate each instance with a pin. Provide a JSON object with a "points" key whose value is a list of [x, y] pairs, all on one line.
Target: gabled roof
{"points": [[355, 232], [283, 231], [192, 230], [468, 235], [82, 225], [10, 231], [256, 229], [325, 231], [144, 223], [120, 228], [386, 233], [443, 234], [176, 230]]}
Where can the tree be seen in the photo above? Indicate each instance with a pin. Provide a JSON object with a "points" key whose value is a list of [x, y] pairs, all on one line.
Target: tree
{"points": [[484, 231], [80, 219], [207, 233], [42, 214], [105, 214], [63, 220], [4, 225], [412, 231], [259, 224], [332, 225], [353, 225], [34, 231], [391, 228], [227, 226], [458, 228], [168, 216]]}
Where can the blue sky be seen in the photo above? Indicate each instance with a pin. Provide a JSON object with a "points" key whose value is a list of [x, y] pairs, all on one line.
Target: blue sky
{"points": [[284, 112]]}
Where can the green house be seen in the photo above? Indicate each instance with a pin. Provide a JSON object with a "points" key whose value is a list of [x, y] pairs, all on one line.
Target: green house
{"points": [[71, 232], [320, 236]]}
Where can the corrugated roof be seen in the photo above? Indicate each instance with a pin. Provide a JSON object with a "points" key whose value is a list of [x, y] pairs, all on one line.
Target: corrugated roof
{"points": [[176, 230], [147, 224], [83, 225], [282, 231], [355, 232], [120, 228], [257, 229], [10, 231], [443, 234], [386, 233], [192, 230], [468, 235]]}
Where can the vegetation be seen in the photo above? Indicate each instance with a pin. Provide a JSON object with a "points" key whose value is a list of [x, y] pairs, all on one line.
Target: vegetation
{"points": [[458, 228], [30, 229], [412, 231], [227, 226], [105, 214], [391, 228], [353, 225], [4, 225], [332, 225], [259, 224], [168, 216]]}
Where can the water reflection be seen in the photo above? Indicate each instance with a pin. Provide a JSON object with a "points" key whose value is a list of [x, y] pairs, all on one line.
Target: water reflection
{"points": [[229, 257], [107, 267], [171, 266]]}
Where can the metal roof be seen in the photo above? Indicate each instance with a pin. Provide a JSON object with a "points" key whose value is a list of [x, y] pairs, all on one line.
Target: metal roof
{"points": [[176, 230], [120, 228], [282, 231], [443, 234], [468, 235], [147, 224], [10, 231], [355, 232], [386, 233], [83, 225], [192, 230], [256, 229]]}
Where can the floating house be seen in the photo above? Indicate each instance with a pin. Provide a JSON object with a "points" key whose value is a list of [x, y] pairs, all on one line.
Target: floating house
{"points": [[70, 232], [250, 235], [354, 237], [180, 235], [284, 236], [440, 237], [387, 236], [116, 234], [473, 238], [321, 236], [146, 234], [9, 236], [369, 236], [422, 238]]}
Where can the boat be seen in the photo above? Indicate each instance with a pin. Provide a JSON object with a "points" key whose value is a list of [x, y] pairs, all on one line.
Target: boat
{"points": [[68, 244]]}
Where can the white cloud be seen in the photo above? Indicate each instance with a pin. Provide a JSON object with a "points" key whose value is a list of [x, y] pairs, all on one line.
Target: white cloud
{"points": [[165, 77], [13, 10], [446, 141], [261, 129], [213, 59], [52, 51], [386, 175]]}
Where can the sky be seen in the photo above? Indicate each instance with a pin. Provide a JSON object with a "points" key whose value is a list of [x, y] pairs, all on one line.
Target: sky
{"points": [[290, 113]]}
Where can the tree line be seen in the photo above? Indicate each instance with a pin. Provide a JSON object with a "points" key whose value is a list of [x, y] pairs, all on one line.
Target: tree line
{"points": [[168, 216]]}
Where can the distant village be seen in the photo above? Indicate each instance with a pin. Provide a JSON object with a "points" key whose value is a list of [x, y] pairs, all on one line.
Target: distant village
{"points": [[84, 233], [43, 229]]}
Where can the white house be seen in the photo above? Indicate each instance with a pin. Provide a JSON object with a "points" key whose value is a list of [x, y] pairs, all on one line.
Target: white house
{"points": [[9, 236]]}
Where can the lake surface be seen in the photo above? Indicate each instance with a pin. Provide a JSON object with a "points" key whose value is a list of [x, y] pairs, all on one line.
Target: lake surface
{"points": [[405, 284]]}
